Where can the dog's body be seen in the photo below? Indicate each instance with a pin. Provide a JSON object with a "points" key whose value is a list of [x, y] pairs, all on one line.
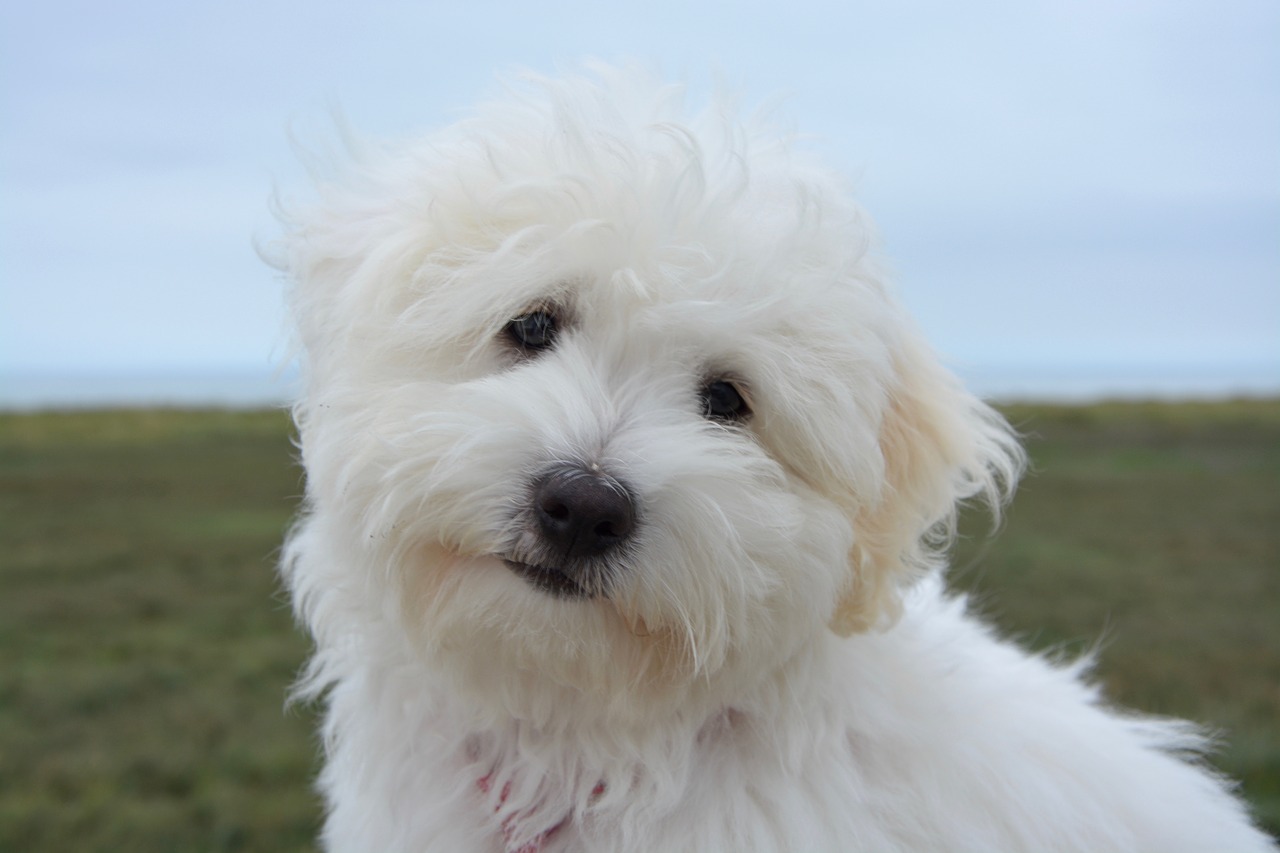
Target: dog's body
{"points": [[628, 482]]}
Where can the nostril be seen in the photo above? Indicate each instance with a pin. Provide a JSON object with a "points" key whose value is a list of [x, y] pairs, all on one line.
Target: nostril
{"points": [[555, 510], [614, 521]]}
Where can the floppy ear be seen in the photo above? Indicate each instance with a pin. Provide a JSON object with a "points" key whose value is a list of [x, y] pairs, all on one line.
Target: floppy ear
{"points": [[940, 445]]}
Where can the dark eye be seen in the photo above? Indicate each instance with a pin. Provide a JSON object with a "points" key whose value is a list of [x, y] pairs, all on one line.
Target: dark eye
{"points": [[533, 331], [721, 401]]}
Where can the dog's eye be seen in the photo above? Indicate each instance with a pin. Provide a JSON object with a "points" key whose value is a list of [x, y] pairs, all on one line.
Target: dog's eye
{"points": [[721, 401], [533, 331]]}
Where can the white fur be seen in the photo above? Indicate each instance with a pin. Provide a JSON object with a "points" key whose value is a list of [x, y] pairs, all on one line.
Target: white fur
{"points": [[775, 665]]}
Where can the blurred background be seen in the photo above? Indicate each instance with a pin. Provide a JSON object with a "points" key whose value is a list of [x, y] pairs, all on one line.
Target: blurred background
{"points": [[1081, 202], [1078, 197]]}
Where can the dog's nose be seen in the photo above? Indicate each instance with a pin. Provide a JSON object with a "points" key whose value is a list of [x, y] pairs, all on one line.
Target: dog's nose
{"points": [[582, 513]]}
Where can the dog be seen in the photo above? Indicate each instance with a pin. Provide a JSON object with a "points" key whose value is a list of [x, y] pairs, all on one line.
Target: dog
{"points": [[629, 487]]}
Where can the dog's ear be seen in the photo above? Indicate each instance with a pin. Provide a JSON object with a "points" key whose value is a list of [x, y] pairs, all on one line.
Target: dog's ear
{"points": [[940, 445]]}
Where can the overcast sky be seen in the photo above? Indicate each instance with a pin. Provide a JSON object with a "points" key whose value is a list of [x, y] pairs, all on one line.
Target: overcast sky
{"points": [[1068, 184]]}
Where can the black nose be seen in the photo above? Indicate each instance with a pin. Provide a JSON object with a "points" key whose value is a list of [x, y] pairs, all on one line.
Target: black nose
{"points": [[582, 513]]}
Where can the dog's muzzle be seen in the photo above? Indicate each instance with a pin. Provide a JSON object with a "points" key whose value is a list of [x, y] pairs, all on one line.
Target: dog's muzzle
{"points": [[581, 517]]}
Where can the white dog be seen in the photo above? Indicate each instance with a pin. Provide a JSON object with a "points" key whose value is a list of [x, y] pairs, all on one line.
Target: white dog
{"points": [[628, 486]]}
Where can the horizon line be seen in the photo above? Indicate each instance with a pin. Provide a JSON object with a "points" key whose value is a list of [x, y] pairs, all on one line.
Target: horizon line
{"points": [[245, 389]]}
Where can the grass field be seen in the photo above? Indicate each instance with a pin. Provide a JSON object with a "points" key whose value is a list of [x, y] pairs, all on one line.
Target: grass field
{"points": [[145, 648]]}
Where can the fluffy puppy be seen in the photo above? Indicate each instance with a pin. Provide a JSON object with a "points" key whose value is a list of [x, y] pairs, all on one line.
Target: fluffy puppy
{"points": [[628, 482]]}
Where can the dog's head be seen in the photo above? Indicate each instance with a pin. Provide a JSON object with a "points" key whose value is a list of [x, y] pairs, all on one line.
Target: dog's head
{"points": [[605, 396]]}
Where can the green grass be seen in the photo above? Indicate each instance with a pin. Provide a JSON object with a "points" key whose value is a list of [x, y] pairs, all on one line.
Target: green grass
{"points": [[145, 649]]}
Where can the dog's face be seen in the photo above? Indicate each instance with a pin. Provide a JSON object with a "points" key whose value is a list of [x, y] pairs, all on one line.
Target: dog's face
{"points": [[602, 398]]}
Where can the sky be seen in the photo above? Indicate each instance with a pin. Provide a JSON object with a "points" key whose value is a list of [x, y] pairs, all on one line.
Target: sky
{"points": [[1064, 186]]}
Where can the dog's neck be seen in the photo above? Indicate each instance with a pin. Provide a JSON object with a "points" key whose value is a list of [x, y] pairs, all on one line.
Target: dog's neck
{"points": [[534, 802], [533, 761]]}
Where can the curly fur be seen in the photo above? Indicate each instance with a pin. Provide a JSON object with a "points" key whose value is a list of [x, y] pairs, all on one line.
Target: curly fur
{"points": [[772, 663]]}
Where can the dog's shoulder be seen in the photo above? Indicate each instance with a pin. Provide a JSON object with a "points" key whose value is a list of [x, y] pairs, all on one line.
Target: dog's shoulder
{"points": [[948, 721]]}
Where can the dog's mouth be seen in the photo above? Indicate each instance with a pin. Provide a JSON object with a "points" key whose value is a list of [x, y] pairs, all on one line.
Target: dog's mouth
{"points": [[548, 579]]}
